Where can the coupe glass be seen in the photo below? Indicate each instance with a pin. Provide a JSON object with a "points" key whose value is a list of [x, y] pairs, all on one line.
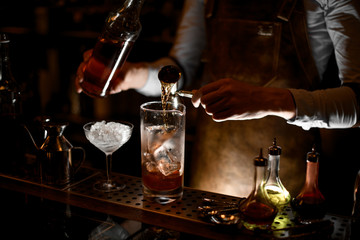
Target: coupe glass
{"points": [[108, 137]]}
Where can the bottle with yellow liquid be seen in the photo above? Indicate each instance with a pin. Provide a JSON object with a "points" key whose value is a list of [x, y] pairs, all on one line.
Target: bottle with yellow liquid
{"points": [[276, 191]]}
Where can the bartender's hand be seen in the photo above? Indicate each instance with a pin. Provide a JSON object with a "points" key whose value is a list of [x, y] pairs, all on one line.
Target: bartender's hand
{"points": [[228, 99], [132, 75]]}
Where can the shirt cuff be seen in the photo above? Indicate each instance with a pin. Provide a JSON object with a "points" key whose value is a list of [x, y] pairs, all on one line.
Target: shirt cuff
{"points": [[330, 108], [152, 87]]}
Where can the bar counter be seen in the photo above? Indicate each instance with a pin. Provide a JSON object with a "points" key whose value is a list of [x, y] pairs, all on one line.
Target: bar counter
{"points": [[181, 216]]}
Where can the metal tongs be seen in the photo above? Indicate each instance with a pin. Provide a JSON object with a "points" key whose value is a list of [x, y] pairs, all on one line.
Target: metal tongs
{"points": [[218, 212], [183, 93]]}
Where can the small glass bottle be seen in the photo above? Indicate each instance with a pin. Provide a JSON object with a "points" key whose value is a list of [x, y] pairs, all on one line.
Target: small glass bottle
{"points": [[12, 145], [256, 211], [278, 194], [309, 204], [355, 216], [121, 30], [10, 98]]}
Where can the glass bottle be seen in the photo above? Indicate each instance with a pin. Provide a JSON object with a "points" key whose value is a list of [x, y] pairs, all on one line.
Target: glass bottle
{"points": [[256, 211], [278, 194], [309, 204], [120, 32], [355, 215], [11, 142], [10, 107]]}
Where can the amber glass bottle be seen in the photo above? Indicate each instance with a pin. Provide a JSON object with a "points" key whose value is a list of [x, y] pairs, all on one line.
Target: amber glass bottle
{"points": [[12, 146], [120, 32], [10, 97], [256, 211]]}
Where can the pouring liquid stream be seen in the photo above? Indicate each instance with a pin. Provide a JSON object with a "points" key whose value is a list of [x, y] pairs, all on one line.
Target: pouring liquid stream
{"points": [[168, 76]]}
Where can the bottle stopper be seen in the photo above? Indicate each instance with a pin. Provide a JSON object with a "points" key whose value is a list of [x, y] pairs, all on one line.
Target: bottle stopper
{"points": [[313, 156], [260, 160], [274, 149]]}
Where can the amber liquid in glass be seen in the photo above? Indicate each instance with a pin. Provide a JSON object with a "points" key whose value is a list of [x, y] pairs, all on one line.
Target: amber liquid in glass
{"points": [[156, 181], [160, 178], [104, 66], [309, 206], [259, 214]]}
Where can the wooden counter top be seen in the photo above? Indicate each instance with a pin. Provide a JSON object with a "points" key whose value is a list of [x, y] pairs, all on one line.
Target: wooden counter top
{"points": [[129, 203]]}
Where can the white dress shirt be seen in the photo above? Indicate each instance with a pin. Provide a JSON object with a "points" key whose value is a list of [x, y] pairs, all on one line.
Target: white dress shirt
{"points": [[332, 25]]}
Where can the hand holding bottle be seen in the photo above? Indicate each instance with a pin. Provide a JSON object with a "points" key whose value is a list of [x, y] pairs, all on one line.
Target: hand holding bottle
{"points": [[131, 75], [102, 71]]}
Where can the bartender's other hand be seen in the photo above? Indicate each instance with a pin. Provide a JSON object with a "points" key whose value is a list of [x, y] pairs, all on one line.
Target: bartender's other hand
{"points": [[132, 75], [228, 99]]}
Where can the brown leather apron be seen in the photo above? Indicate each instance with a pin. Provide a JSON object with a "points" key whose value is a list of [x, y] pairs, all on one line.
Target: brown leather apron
{"points": [[253, 41]]}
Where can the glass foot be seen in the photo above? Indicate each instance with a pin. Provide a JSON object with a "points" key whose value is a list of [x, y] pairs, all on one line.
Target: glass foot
{"points": [[104, 186]]}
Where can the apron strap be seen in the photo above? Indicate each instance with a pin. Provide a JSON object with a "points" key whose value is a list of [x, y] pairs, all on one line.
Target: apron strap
{"points": [[286, 9], [292, 11]]}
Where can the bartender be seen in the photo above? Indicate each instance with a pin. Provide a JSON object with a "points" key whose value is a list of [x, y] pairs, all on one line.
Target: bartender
{"points": [[271, 63]]}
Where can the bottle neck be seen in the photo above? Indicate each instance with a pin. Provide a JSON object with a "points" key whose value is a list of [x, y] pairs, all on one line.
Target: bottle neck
{"points": [[259, 178], [4, 50], [310, 190], [5, 70], [10, 99], [312, 174], [124, 24], [274, 165], [133, 6]]}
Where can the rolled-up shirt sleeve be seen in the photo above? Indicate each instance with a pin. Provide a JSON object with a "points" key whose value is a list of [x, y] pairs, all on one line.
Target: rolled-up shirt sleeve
{"points": [[322, 108], [333, 26], [152, 87]]}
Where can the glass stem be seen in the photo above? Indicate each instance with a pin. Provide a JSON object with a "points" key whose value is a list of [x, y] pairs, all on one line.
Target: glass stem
{"points": [[108, 167]]}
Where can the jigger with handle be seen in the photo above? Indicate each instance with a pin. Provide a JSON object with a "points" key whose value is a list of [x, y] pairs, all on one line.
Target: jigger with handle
{"points": [[57, 164]]}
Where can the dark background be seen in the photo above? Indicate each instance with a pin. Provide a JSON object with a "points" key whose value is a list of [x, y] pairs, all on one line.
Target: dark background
{"points": [[48, 39]]}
